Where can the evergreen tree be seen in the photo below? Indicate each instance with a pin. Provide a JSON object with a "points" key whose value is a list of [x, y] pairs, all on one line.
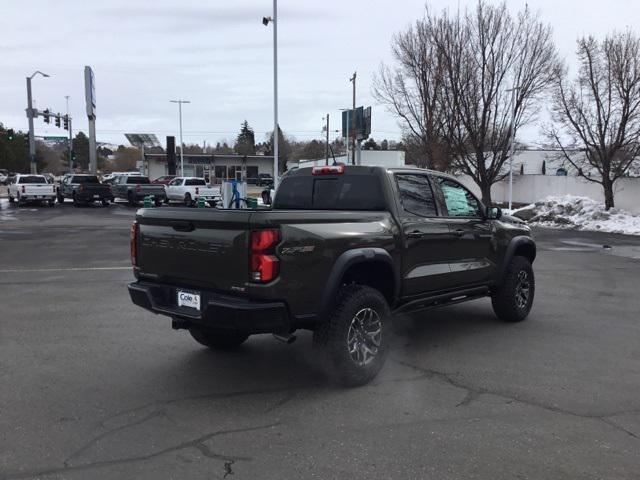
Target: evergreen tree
{"points": [[245, 143]]}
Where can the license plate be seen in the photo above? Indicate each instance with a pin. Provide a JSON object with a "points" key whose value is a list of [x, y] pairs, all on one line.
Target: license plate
{"points": [[189, 299]]}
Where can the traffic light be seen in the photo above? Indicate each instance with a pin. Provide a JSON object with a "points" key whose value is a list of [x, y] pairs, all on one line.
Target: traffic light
{"points": [[45, 114], [10, 134], [66, 122], [58, 120]]}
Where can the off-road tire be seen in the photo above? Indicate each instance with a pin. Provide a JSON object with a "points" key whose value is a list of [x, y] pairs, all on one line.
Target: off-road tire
{"points": [[218, 339], [507, 302], [332, 335]]}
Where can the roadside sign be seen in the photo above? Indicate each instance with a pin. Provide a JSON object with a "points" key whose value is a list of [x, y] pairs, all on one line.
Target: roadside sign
{"points": [[56, 139]]}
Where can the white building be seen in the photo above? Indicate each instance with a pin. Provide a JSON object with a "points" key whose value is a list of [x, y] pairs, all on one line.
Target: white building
{"points": [[216, 167]]}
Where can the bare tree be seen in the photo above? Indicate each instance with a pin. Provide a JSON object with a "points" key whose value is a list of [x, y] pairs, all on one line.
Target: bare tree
{"points": [[598, 112], [412, 91], [452, 86]]}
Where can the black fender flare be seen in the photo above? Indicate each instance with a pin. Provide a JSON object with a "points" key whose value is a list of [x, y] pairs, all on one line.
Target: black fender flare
{"points": [[510, 252], [344, 262]]}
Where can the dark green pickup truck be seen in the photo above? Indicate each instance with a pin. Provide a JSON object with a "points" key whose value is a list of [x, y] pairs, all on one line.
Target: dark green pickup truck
{"points": [[342, 249]]}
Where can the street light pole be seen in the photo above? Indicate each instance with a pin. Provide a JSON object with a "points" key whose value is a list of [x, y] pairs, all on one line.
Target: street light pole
{"points": [[32, 139], [180, 102], [70, 137], [265, 21], [512, 141]]}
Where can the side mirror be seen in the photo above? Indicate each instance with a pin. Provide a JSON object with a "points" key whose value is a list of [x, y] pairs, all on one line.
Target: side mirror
{"points": [[494, 213]]}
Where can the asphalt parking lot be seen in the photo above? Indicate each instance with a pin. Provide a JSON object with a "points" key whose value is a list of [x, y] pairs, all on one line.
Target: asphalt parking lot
{"points": [[93, 387]]}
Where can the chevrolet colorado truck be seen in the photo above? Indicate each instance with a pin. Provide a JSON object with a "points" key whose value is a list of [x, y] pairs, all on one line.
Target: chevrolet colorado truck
{"points": [[342, 249], [84, 189]]}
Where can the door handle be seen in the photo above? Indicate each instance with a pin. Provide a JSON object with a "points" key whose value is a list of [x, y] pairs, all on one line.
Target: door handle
{"points": [[414, 234], [182, 226], [459, 233]]}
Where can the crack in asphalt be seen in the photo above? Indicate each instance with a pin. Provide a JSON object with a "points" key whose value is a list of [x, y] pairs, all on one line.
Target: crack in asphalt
{"points": [[205, 396], [473, 393], [197, 443]]}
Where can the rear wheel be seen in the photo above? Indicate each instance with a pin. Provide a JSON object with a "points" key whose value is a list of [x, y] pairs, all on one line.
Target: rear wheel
{"points": [[512, 300], [105, 202], [218, 339], [60, 197], [158, 202], [130, 199], [51, 202], [11, 199], [188, 202], [355, 336]]}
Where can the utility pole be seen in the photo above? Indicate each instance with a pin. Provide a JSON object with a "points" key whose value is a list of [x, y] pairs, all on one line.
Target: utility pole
{"points": [[180, 102], [265, 21], [512, 140], [326, 162], [70, 137], [353, 121], [30, 115]]}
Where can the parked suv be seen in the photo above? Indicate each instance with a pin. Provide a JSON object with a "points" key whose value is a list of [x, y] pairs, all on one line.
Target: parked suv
{"points": [[342, 249]]}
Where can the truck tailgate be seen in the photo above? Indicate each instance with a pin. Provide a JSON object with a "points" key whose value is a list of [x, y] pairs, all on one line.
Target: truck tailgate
{"points": [[38, 189], [202, 248]]}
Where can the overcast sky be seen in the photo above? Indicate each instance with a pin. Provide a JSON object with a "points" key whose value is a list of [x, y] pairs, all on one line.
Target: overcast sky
{"points": [[218, 55]]}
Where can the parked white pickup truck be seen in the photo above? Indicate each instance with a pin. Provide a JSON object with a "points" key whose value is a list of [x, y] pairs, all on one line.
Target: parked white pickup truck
{"points": [[189, 189], [31, 188]]}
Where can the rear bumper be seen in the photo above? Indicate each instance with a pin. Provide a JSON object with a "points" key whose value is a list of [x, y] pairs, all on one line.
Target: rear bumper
{"points": [[217, 311], [89, 197]]}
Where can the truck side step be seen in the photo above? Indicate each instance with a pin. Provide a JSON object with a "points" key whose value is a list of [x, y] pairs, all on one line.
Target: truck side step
{"points": [[443, 299], [288, 339]]}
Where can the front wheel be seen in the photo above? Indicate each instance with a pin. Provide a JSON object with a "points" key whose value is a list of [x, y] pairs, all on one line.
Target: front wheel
{"points": [[355, 336], [218, 339], [512, 300]]}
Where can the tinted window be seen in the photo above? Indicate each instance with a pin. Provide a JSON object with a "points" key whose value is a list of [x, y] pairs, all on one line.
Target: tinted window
{"points": [[195, 181], [459, 201], [32, 179], [176, 182], [137, 180], [339, 192], [416, 195], [85, 179]]}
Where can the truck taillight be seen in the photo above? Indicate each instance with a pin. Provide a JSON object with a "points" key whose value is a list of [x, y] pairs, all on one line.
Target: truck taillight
{"points": [[197, 191], [263, 263], [134, 243], [328, 170], [138, 188], [22, 188], [81, 188]]}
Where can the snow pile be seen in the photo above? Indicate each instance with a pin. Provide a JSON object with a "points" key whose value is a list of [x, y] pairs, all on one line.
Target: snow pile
{"points": [[582, 213]]}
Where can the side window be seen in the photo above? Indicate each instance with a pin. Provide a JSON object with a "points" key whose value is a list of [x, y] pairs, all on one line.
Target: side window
{"points": [[416, 195], [459, 201], [175, 182]]}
